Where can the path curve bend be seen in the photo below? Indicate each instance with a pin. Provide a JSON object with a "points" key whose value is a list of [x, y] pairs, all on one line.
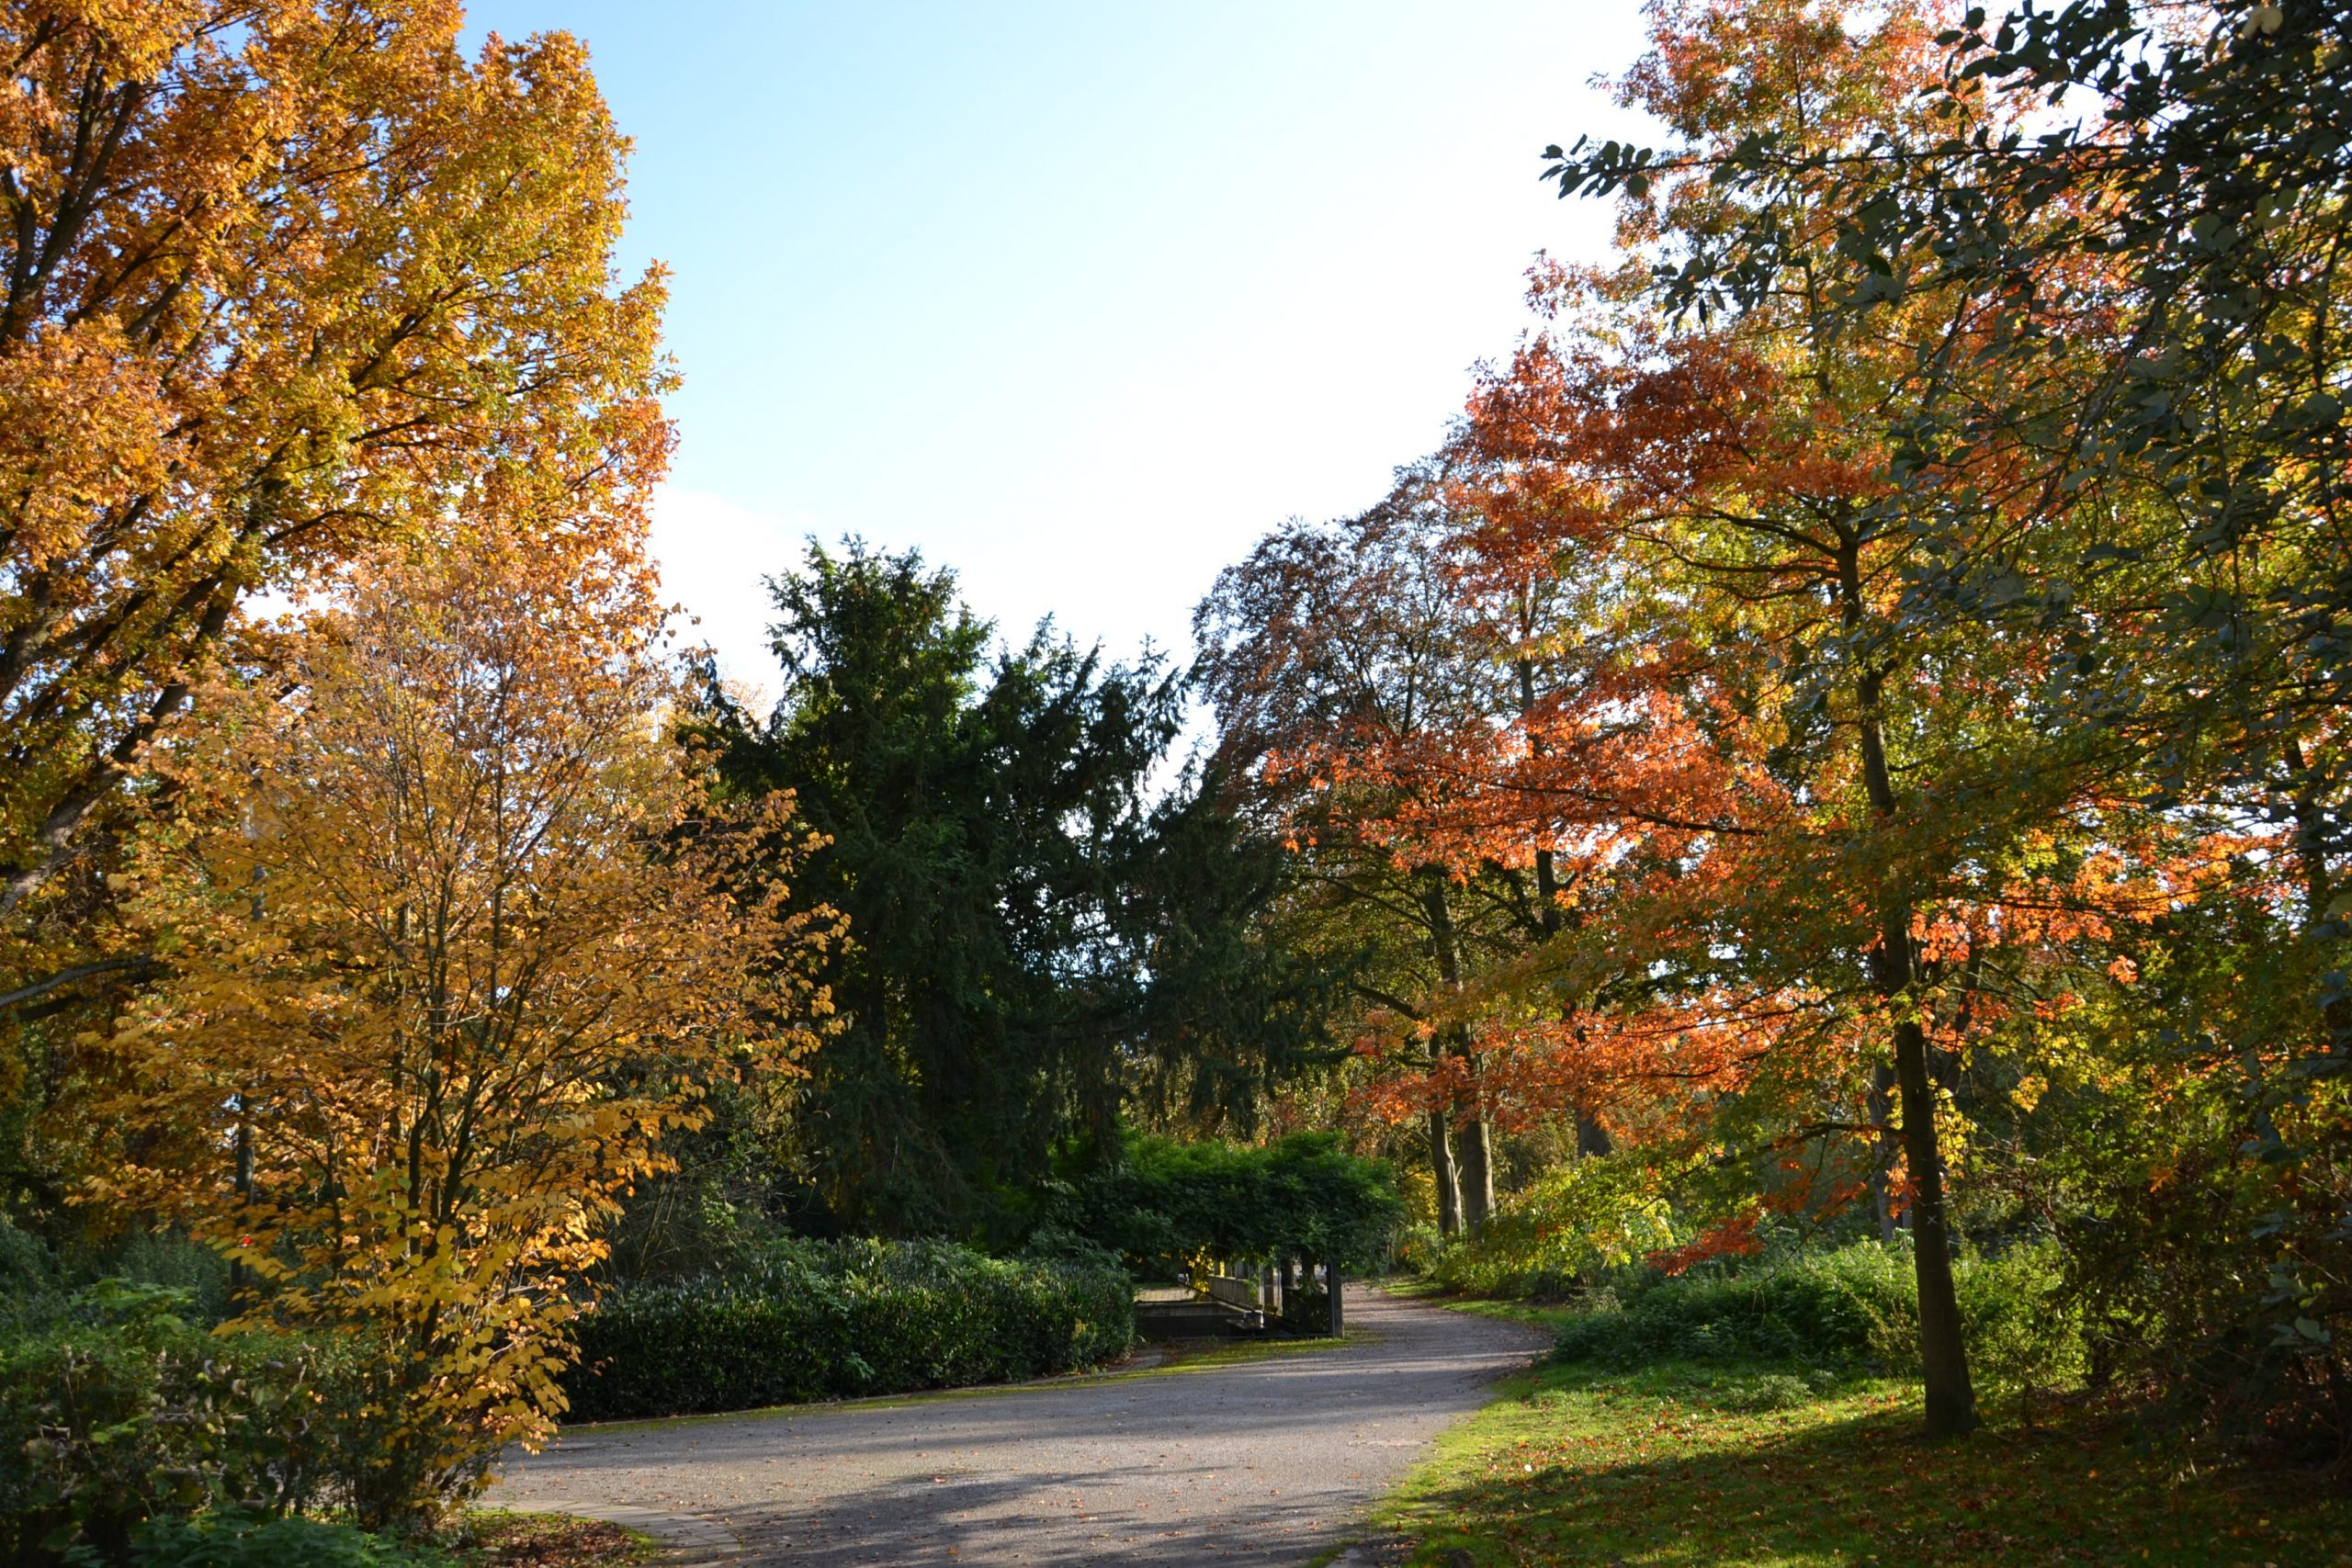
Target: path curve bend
{"points": [[1259, 1462]]}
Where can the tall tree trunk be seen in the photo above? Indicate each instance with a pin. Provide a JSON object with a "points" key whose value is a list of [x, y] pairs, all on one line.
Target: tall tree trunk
{"points": [[1477, 1176], [1952, 1401], [1943, 1353], [1466, 1185], [1449, 1187]]}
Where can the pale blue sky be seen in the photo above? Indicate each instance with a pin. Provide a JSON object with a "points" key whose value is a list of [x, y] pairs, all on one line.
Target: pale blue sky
{"points": [[1078, 298]]}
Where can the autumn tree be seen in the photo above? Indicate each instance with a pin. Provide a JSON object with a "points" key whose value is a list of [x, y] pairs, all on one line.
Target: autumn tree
{"points": [[455, 939], [1738, 481], [2121, 459], [1355, 675], [284, 279]]}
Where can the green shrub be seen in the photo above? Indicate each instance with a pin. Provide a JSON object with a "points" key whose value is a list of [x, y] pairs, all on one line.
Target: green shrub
{"points": [[26, 1271], [2024, 1327], [1586, 1219], [1167, 1204], [114, 1407], [1858, 1304], [244, 1541], [816, 1321], [1820, 1308]]}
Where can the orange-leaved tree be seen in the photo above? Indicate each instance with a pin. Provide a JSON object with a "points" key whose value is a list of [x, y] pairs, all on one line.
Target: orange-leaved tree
{"points": [[279, 279], [1738, 481], [454, 941]]}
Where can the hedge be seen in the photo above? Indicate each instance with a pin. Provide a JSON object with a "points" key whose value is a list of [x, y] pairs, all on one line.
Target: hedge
{"points": [[819, 1321], [1166, 1204]]}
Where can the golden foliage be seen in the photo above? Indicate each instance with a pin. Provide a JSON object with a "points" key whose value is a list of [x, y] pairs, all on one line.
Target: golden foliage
{"points": [[284, 279], [452, 947]]}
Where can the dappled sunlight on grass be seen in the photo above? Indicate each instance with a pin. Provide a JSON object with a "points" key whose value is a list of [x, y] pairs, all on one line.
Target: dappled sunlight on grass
{"points": [[1680, 1465]]}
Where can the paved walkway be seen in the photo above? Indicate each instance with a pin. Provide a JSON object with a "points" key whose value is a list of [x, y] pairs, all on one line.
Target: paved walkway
{"points": [[1262, 1462]]}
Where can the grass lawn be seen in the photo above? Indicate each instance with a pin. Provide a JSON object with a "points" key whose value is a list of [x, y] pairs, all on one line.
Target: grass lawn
{"points": [[1684, 1464]]}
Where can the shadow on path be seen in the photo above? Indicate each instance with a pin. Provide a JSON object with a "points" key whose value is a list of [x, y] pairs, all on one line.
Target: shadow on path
{"points": [[1258, 1462]]}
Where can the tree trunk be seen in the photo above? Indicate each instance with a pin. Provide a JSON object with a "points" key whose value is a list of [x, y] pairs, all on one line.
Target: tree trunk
{"points": [[1332, 1294], [1449, 1187], [1943, 1354], [1477, 1176], [1951, 1402], [1471, 1189]]}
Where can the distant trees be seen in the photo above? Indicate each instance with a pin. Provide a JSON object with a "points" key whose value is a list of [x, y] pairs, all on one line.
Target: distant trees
{"points": [[1031, 935]]}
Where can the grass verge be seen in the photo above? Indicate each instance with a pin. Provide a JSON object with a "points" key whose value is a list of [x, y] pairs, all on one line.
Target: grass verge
{"points": [[1679, 1464]]}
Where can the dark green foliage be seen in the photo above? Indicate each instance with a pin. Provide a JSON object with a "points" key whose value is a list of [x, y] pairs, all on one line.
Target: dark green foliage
{"points": [[1024, 928], [27, 1272], [114, 1407], [1837, 1308], [828, 1320], [1856, 1305], [247, 1541], [1304, 1197]]}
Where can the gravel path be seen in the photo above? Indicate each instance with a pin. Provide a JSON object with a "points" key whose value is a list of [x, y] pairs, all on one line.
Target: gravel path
{"points": [[1260, 1462]]}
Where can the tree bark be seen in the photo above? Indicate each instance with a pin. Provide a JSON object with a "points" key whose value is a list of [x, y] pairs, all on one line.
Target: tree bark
{"points": [[1943, 1353], [1474, 1194], [1449, 1189], [1477, 1176]]}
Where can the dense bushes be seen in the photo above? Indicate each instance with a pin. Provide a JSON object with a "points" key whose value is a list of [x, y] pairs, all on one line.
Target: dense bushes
{"points": [[115, 1409], [814, 1321], [129, 1433], [1856, 1304], [1166, 1203], [1574, 1223]]}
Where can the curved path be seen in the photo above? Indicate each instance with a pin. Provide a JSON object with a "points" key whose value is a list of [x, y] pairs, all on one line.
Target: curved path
{"points": [[1265, 1461]]}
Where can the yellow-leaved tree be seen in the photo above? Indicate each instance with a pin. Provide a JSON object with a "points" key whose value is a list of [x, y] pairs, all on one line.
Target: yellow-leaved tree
{"points": [[452, 945], [280, 281]]}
